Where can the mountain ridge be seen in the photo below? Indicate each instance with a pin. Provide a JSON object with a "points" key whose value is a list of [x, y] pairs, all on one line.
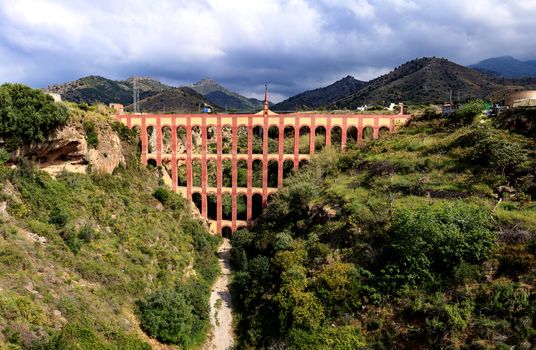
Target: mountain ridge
{"points": [[506, 66]]}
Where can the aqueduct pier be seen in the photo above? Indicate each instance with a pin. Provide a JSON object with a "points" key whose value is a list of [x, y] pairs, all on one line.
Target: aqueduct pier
{"points": [[263, 147]]}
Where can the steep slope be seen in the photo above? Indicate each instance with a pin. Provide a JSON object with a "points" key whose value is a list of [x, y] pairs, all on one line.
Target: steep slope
{"points": [[424, 239], [429, 80], [88, 261], [322, 96], [175, 100], [93, 89], [506, 66], [224, 97]]}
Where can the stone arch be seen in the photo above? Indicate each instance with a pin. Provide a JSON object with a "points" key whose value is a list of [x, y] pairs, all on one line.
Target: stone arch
{"points": [[258, 137], [242, 173], [137, 134], [288, 142], [270, 198], [256, 205], [288, 165], [197, 139], [196, 172], [182, 177], [226, 232], [351, 136], [320, 138], [242, 137], [227, 139], [241, 207], [212, 206], [227, 173], [151, 139], [336, 136], [257, 173], [151, 162], [197, 199], [212, 140], [167, 166], [368, 133], [181, 140], [305, 138], [212, 173], [166, 140], [272, 173], [303, 163], [383, 131], [273, 139], [226, 206]]}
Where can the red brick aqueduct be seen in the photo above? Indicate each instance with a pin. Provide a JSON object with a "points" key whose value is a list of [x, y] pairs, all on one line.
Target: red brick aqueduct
{"points": [[264, 128]]}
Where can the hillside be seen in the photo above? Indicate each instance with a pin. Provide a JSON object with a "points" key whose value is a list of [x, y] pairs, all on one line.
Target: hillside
{"points": [[506, 66], [429, 80], [174, 100], [324, 96], [93, 89], [424, 239], [96, 260], [226, 98]]}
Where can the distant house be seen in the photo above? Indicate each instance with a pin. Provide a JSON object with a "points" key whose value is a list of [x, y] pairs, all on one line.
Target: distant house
{"points": [[119, 108], [521, 99]]}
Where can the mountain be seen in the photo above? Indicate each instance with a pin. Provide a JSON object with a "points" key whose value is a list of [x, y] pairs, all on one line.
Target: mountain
{"points": [[177, 100], [430, 80], [226, 98], [321, 96], [507, 66], [93, 89]]}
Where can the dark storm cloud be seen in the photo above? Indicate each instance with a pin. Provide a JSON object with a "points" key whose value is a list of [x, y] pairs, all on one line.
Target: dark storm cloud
{"points": [[293, 45]]}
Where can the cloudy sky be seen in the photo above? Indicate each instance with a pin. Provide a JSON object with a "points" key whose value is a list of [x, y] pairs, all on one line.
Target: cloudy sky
{"points": [[292, 45]]}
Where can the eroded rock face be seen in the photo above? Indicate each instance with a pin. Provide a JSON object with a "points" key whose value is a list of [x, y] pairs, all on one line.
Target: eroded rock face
{"points": [[67, 149]]}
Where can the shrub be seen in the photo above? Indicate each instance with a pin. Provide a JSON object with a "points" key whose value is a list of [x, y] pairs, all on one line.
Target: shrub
{"points": [[27, 115], [92, 138], [466, 114], [161, 194], [58, 217]]}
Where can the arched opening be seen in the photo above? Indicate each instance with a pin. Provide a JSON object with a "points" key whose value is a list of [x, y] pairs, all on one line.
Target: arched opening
{"points": [[212, 206], [242, 146], [197, 140], [256, 206], [305, 137], [226, 206], [226, 232], [151, 163], [257, 173], [288, 165], [242, 173], [226, 139], [288, 142], [241, 228], [212, 173], [258, 137], [227, 173], [151, 139], [241, 207], [196, 172], [197, 199], [368, 133], [181, 173], [303, 163], [273, 139], [384, 131], [181, 140], [166, 140], [212, 140], [336, 136], [137, 134], [320, 138], [166, 164], [272, 173], [270, 198], [351, 136]]}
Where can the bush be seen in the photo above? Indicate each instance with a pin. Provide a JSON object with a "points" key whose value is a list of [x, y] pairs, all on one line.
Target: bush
{"points": [[27, 115], [58, 217], [92, 138], [161, 194], [466, 114]]}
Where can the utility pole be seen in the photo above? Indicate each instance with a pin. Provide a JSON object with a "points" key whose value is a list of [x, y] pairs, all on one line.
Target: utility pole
{"points": [[136, 95]]}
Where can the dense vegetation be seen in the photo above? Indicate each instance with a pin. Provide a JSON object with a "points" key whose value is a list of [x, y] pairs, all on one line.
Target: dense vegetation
{"points": [[27, 115], [87, 259], [423, 239]]}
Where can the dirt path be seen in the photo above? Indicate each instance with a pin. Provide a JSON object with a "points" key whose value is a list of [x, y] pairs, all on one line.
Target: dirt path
{"points": [[221, 318]]}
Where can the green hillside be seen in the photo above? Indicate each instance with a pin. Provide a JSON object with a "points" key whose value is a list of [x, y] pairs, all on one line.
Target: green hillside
{"points": [[99, 261], [421, 240]]}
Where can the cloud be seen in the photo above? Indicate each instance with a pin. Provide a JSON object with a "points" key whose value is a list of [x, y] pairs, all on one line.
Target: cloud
{"points": [[293, 45]]}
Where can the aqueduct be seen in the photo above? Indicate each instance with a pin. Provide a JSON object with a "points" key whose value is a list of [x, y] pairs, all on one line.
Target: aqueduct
{"points": [[259, 150]]}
